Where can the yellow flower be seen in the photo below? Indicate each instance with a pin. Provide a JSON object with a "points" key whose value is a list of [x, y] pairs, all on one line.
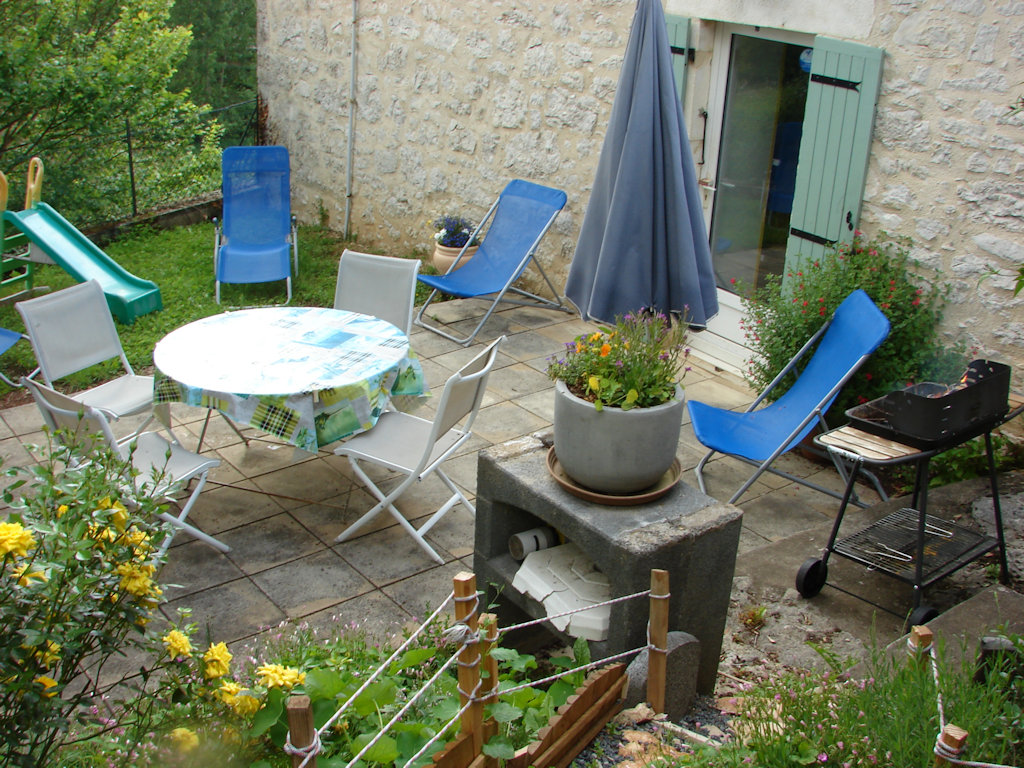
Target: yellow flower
{"points": [[101, 532], [218, 660], [594, 383], [228, 690], [596, 336], [139, 540], [50, 654], [15, 539], [62, 510], [184, 739], [136, 578], [24, 579], [245, 704], [120, 517], [177, 644], [276, 676], [49, 686]]}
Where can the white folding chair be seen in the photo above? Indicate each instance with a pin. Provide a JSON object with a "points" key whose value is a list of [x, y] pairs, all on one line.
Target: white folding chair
{"points": [[162, 468], [381, 286], [416, 447], [71, 330]]}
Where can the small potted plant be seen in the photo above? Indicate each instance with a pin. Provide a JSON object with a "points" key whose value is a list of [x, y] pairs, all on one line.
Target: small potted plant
{"points": [[452, 235], [619, 402]]}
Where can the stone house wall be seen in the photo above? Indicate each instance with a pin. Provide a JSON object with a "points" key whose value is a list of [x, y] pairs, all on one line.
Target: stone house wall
{"points": [[452, 100]]}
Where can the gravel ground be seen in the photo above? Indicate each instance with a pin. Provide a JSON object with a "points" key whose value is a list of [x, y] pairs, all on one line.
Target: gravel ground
{"points": [[637, 737]]}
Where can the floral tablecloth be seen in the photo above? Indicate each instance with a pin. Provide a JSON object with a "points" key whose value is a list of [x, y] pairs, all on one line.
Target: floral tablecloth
{"points": [[307, 375]]}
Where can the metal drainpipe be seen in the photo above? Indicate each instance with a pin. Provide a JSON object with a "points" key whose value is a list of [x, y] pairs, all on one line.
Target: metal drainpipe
{"points": [[351, 126]]}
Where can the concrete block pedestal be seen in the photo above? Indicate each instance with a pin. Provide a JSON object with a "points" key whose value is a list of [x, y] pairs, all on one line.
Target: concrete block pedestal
{"points": [[685, 532]]}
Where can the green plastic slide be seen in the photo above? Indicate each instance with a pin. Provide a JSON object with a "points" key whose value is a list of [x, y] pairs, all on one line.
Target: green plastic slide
{"points": [[128, 296]]}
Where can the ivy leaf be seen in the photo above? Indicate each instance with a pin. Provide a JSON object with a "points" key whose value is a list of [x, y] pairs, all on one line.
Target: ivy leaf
{"points": [[384, 751], [504, 712], [270, 713], [323, 684], [376, 696], [560, 691], [412, 658], [499, 747]]}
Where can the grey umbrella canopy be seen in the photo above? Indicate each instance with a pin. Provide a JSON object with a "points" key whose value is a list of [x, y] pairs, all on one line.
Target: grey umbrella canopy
{"points": [[643, 242]]}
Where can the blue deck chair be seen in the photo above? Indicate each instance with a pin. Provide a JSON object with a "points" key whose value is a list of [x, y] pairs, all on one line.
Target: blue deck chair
{"points": [[758, 436], [519, 219], [258, 232], [8, 339]]}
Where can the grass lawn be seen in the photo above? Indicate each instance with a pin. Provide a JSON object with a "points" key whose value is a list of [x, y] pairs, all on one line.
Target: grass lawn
{"points": [[180, 262]]}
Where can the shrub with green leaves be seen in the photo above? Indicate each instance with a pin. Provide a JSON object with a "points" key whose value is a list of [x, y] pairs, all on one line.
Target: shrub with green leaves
{"points": [[887, 714], [784, 314], [77, 588]]}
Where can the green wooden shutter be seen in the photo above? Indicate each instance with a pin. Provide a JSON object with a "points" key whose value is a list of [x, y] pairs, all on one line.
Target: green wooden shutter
{"points": [[834, 147], [679, 39]]}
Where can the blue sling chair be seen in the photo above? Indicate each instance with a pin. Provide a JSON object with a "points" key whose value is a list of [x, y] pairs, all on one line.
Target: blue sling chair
{"points": [[258, 232], [758, 436], [519, 219]]}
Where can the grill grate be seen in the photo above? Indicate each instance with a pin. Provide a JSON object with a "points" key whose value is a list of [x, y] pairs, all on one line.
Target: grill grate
{"points": [[890, 546]]}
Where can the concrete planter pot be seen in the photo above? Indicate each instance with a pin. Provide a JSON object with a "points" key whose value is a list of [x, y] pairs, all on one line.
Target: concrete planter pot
{"points": [[614, 451], [444, 257]]}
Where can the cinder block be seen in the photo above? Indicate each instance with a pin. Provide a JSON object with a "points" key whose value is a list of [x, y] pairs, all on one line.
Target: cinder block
{"points": [[690, 535]]}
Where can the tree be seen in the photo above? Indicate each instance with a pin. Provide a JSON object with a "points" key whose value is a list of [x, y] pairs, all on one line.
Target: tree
{"points": [[74, 75], [220, 69]]}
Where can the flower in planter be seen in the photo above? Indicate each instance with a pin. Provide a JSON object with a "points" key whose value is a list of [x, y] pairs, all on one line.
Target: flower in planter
{"points": [[454, 231], [636, 364]]}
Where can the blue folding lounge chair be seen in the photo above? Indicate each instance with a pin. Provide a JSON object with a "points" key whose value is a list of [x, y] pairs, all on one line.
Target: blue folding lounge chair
{"points": [[8, 339], [758, 436], [519, 219], [258, 231]]}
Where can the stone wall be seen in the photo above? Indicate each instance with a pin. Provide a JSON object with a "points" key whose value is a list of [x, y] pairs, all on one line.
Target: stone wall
{"points": [[947, 160], [452, 100]]}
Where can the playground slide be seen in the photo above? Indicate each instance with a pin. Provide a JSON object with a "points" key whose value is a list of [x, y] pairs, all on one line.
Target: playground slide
{"points": [[128, 296]]}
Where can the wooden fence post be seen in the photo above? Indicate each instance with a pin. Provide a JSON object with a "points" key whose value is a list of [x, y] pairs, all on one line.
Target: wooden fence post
{"points": [[658, 640], [954, 738], [921, 639], [489, 630], [469, 659], [300, 727]]}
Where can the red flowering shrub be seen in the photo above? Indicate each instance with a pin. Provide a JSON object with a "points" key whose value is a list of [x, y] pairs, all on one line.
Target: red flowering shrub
{"points": [[783, 314]]}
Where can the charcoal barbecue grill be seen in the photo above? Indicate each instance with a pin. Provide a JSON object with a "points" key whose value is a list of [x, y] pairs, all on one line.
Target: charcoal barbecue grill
{"points": [[909, 544]]}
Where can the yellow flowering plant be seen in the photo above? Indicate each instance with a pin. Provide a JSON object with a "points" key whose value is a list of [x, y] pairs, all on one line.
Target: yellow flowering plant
{"points": [[76, 587], [635, 364]]}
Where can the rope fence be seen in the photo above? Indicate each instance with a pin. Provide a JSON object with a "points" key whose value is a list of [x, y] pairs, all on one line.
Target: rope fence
{"points": [[304, 742], [952, 739]]}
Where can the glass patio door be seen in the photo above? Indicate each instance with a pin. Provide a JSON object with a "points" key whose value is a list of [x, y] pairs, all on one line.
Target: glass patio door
{"points": [[762, 118]]}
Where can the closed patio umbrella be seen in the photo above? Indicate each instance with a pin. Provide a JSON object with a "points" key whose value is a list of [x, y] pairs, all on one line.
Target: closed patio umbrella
{"points": [[643, 242]]}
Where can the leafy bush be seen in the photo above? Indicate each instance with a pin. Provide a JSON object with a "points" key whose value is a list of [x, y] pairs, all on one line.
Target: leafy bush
{"points": [[888, 716], [206, 707], [76, 589], [783, 315]]}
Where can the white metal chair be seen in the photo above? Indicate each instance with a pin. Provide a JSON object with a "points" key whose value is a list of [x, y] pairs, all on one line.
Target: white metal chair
{"points": [[162, 468], [381, 286], [71, 330], [415, 447]]}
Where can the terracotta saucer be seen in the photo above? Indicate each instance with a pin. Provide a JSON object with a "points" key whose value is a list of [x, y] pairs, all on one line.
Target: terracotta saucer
{"points": [[656, 491]]}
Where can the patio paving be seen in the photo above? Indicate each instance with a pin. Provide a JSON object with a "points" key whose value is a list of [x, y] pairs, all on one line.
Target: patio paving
{"points": [[279, 510]]}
